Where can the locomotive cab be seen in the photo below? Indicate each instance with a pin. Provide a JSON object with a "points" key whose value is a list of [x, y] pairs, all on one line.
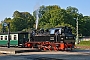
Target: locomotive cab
{"points": [[62, 34]]}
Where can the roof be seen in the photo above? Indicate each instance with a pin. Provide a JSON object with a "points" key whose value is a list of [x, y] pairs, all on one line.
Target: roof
{"points": [[18, 32]]}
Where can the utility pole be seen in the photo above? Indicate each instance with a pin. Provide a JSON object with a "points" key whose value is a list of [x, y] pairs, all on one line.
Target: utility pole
{"points": [[8, 24], [3, 28], [77, 40]]}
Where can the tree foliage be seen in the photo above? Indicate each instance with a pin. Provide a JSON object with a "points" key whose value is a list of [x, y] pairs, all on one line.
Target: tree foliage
{"points": [[22, 20]]}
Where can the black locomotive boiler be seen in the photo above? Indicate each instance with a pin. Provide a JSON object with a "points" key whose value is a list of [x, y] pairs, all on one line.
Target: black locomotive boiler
{"points": [[59, 38]]}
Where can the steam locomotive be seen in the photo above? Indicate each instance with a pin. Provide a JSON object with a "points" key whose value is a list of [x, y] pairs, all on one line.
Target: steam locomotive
{"points": [[60, 38]]}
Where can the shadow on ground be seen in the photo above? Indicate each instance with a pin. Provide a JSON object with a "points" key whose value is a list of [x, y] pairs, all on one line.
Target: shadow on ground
{"points": [[61, 55]]}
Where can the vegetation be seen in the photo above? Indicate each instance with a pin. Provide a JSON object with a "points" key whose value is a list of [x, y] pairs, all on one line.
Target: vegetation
{"points": [[49, 16], [84, 43]]}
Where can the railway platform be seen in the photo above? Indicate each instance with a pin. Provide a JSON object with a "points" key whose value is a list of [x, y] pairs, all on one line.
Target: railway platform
{"points": [[13, 50]]}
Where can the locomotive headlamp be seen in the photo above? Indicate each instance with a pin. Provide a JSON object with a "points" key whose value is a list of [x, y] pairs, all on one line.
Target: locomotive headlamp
{"points": [[66, 37], [62, 38]]}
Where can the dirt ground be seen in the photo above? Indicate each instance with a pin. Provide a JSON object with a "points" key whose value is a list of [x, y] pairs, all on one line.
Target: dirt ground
{"points": [[83, 47]]}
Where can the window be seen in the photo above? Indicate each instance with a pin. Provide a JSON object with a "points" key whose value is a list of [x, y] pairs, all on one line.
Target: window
{"points": [[52, 31], [15, 38], [1, 37], [56, 30], [5, 37]]}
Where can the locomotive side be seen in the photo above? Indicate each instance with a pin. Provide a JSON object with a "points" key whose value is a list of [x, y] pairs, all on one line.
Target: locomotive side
{"points": [[60, 38]]}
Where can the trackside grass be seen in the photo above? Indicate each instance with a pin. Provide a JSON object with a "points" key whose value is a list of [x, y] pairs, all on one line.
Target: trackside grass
{"points": [[84, 43]]}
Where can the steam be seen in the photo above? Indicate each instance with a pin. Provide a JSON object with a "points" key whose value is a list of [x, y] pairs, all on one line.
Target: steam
{"points": [[36, 8], [37, 12]]}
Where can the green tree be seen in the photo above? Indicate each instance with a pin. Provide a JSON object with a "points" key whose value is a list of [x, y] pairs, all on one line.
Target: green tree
{"points": [[85, 26], [18, 24], [73, 12], [5, 28], [55, 16], [22, 20]]}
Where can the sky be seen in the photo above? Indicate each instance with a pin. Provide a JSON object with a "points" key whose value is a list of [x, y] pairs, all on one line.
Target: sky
{"points": [[7, 7]]}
